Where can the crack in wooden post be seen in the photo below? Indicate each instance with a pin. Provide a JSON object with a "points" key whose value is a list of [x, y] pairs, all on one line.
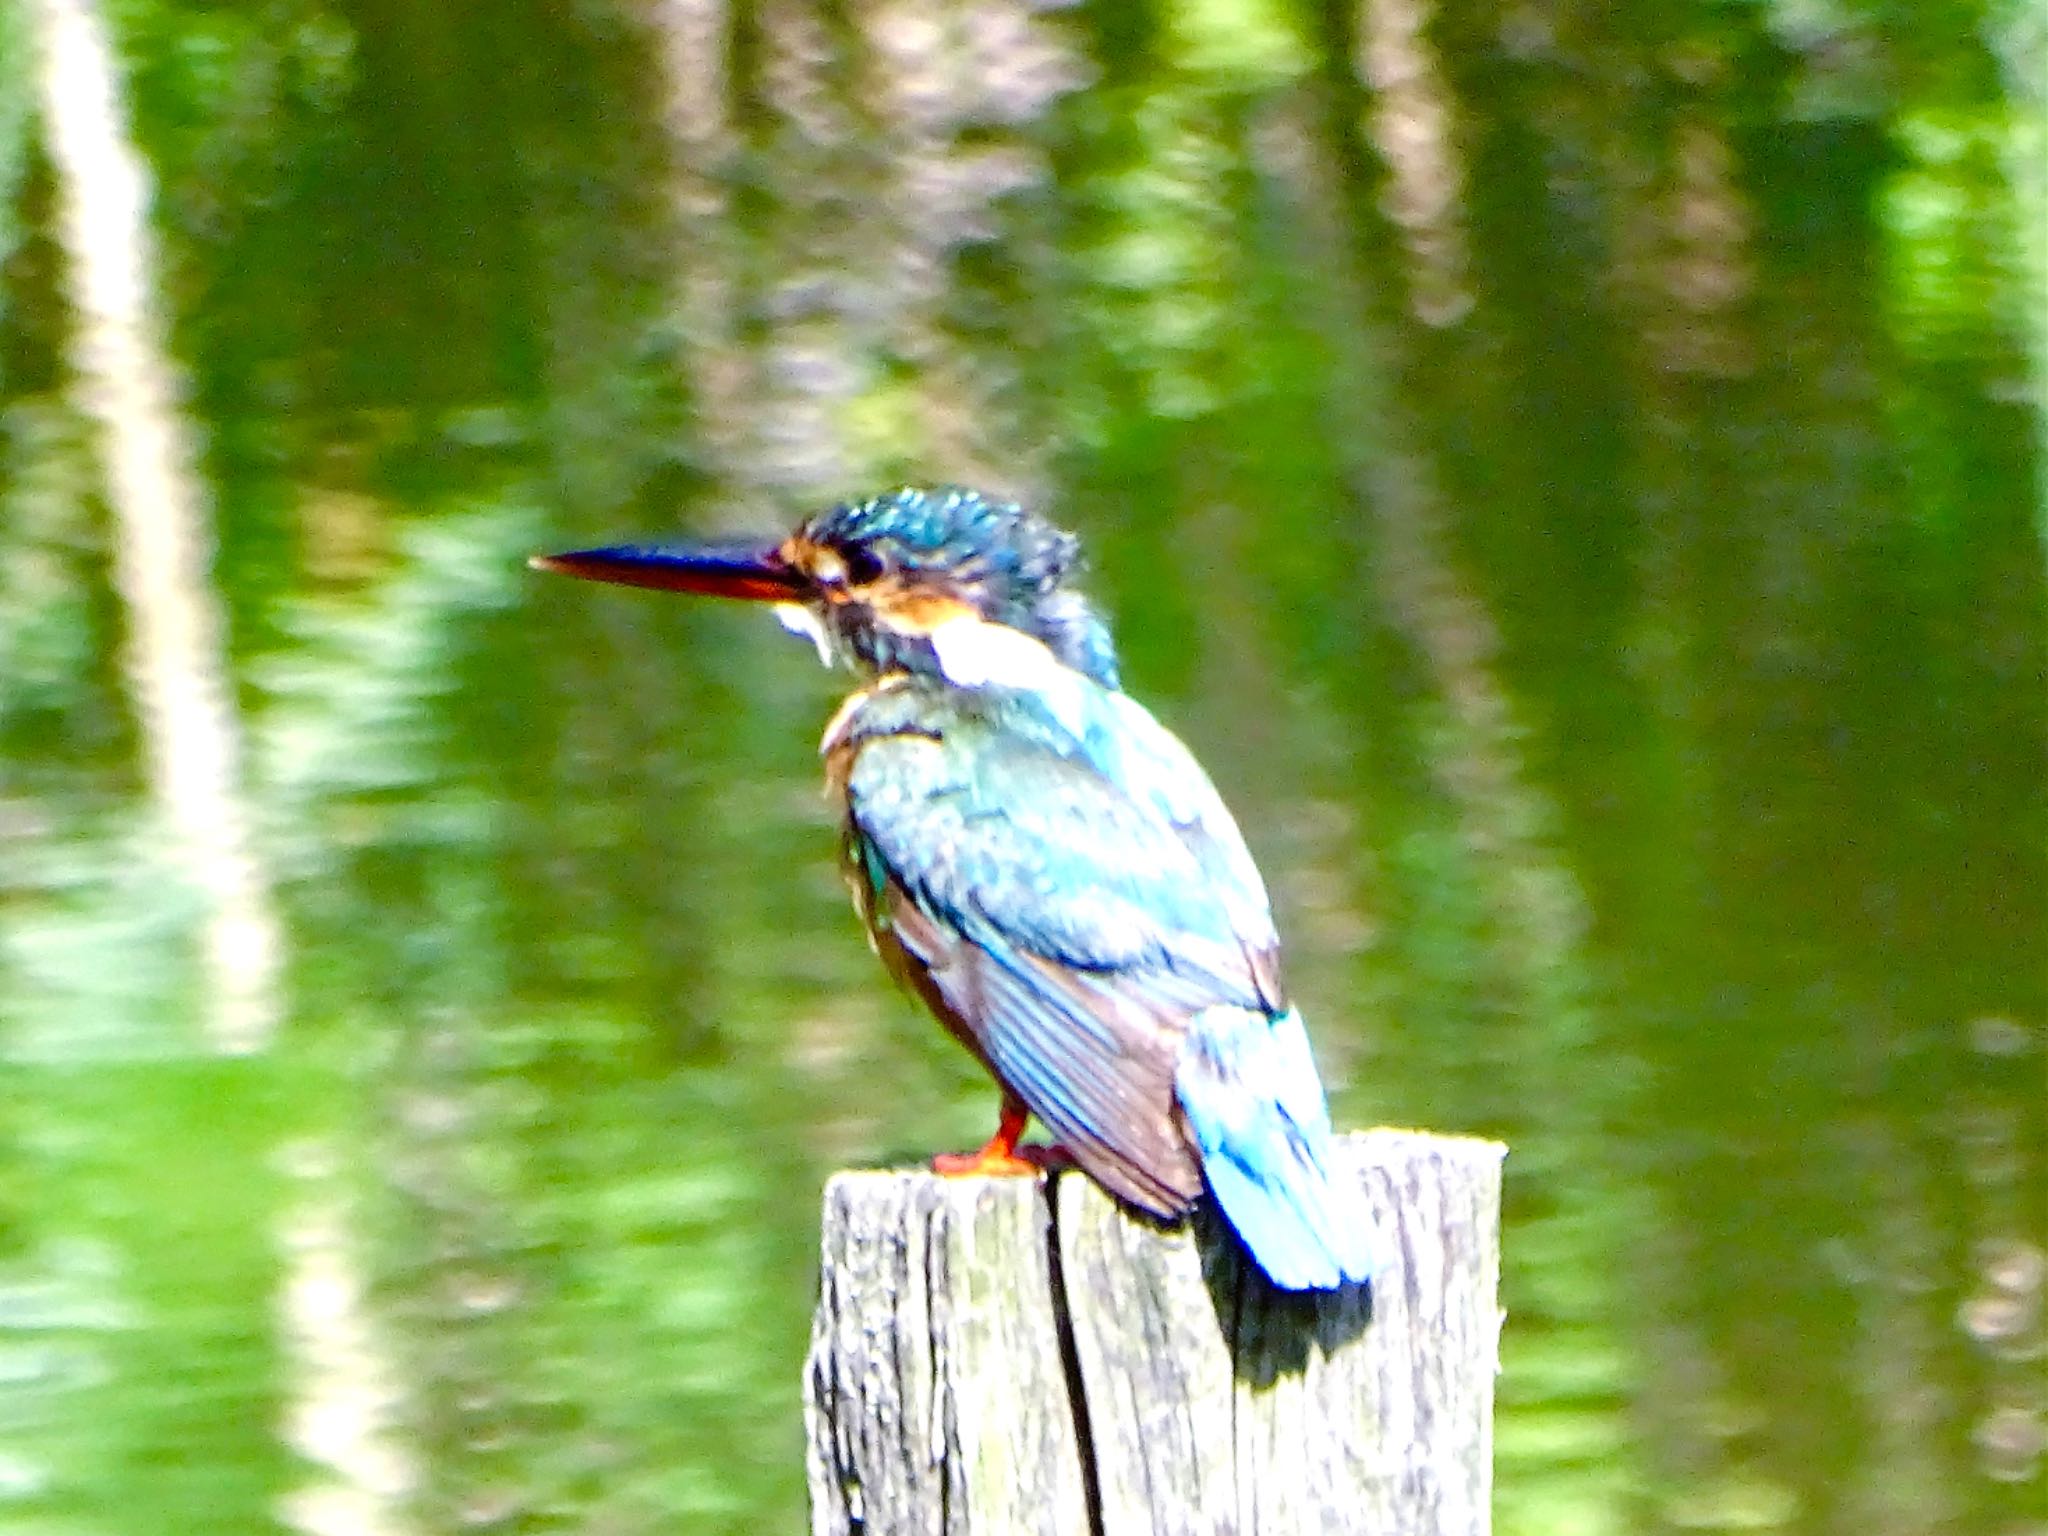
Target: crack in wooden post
{"points": [[1070, 1364]]}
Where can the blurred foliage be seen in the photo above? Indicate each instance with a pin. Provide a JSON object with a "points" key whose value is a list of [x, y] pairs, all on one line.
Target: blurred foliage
{"points": [[1573, 474]]}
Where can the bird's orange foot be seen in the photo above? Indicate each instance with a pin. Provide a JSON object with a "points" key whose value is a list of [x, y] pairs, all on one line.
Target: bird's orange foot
{"points": [[1002, 1158], [989, 1163]]}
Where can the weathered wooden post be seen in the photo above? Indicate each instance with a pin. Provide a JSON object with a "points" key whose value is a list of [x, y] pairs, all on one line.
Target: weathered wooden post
{"points": [[1009, 1356]]}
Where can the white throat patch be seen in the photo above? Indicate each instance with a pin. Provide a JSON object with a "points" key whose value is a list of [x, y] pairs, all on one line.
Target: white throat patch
{"points": [[798, 619]]}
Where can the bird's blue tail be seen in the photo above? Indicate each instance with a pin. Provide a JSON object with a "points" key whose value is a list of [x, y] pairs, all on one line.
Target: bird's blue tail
{"points": [[1252, 1097]]}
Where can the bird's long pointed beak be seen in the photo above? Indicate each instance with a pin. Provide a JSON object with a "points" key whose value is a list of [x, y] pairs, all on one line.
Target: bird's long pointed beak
{"points": [[741, 568]]}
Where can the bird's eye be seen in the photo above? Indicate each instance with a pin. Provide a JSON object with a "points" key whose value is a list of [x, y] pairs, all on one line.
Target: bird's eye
{"points": [[863, 565]]}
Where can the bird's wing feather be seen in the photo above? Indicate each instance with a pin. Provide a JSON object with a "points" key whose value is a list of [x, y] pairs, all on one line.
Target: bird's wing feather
{"points": [[1110, 1105], [1070, 928]]}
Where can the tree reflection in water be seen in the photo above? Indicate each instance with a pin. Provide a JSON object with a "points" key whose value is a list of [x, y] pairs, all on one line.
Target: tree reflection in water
{"points": [[1572, 474]]}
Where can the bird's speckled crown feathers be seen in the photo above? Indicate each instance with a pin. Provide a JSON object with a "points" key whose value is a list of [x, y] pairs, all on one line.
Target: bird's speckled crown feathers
{"points": [[956, 530], [1010, 561]]}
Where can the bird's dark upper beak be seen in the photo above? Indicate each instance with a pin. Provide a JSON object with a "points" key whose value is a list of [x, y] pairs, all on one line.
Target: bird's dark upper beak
{"points": [[741, 568]]}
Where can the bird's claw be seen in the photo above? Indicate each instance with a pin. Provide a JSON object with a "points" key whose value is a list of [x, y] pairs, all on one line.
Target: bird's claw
{"points": [[987, 1163], [1000, 1163], [1002, 1157]]}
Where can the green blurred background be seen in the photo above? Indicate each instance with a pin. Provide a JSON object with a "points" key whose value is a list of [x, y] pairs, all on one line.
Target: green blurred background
{"points": [[1573, 471]]}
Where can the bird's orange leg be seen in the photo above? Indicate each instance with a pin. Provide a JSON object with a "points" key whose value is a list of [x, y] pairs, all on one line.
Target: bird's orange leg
{"points": [[1002, 1157]]}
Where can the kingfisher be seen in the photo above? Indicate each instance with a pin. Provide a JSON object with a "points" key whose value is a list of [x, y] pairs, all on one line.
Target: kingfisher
{"points": [[1046, 866]]}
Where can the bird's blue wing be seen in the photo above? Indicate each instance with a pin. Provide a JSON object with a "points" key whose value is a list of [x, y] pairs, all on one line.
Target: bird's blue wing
{"points": [[1068, 930]]}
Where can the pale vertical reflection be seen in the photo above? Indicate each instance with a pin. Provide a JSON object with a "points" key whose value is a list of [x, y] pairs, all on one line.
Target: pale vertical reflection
{"points": [[2005, 1315], [345, 1407], [695, 38], [812, 377], [176, 649], [2020, 37], [1703, 274], [917, 93], [950, 85], [1903, 1486], [1411, 124]]}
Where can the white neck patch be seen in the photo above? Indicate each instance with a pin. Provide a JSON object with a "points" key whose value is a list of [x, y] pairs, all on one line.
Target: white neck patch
{"points": [[974, 653]]}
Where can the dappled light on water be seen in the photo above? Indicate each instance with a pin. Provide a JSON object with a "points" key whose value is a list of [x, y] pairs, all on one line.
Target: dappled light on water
{"points": [[1573, 476]]}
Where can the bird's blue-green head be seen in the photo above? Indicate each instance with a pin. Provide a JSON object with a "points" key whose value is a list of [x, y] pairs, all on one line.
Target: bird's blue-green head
{"points": [[927, 581]]}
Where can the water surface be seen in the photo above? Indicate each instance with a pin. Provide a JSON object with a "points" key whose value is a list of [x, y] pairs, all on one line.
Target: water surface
{"points": [[1573, 474]]}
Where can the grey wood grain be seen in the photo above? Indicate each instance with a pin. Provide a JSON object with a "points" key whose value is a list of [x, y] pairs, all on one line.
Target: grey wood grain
{"points": [[1017, 1356], [935, 1397]]}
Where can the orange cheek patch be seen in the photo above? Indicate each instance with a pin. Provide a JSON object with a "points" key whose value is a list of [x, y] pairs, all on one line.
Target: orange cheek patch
{"points": [[914, 611]]}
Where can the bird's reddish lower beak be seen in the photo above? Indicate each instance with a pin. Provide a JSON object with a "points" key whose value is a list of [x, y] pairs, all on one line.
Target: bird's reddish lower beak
{"points": [[739, 568]]}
